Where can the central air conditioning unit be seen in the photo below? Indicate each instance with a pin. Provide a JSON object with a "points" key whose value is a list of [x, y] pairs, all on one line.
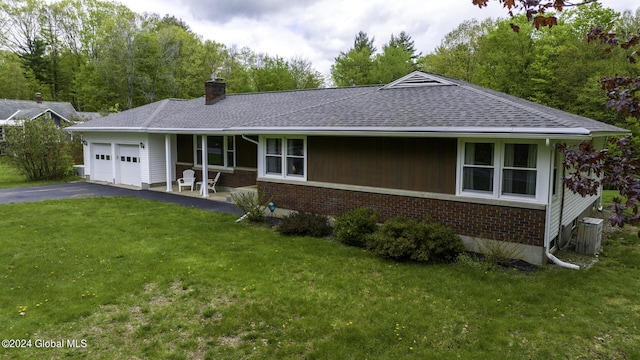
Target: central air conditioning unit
{"points": [[589, 236]]}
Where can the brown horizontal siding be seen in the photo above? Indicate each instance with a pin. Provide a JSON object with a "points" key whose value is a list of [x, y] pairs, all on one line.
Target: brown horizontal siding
{"points": [[524, 226], [246, 152], [185, 148], [418, 164]]}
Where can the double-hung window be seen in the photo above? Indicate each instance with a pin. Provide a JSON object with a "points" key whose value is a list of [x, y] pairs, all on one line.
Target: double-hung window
{"points": [[478, 169], [284, 157], [274, 156], [220, 151], [520, 170], [295, 157], [499, 169]]}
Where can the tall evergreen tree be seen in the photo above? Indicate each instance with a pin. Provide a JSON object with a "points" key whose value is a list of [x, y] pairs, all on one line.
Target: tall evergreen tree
{"points": [[355, 66], [396, 60], [362, 42]]}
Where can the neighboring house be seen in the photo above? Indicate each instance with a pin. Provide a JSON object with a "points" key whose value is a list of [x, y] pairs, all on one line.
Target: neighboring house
{"points": [[482, 162], [61, 113]]}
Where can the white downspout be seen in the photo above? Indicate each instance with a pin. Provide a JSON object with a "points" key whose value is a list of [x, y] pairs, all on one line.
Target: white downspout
{"points": [[547, 228], [250, 140]]}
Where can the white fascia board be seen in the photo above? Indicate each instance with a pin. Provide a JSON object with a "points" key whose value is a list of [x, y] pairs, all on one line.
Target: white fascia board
{"points": [[444, 129], [529, 133], [61, 117], [610, 133], [196, 131], [457, 132], [12, 115], [104, 129], [9, 122]]}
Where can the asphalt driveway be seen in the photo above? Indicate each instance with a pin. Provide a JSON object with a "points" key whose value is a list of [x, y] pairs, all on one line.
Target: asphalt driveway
{"points": [[83, 189]]}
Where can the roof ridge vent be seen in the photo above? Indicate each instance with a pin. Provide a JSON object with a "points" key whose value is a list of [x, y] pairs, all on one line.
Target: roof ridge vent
{"points": [[417, 79]]}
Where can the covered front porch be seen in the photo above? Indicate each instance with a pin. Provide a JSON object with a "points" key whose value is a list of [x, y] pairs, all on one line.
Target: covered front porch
{"points": [[231, 158], [224, 194]]}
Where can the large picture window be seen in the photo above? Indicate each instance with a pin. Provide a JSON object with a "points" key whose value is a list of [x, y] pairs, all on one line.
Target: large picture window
{"points": [[285, 157], [499, 169], [220, 151]]}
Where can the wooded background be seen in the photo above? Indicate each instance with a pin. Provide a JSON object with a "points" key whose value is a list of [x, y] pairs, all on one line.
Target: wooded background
{"points": [[101, 56]]}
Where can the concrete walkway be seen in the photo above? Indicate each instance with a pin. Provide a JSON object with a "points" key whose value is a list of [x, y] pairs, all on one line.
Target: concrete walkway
{"points": [[82, 189]]}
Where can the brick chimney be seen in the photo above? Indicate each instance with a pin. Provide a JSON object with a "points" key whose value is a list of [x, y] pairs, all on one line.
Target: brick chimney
{"points": [[38, 98], [215, 90]]}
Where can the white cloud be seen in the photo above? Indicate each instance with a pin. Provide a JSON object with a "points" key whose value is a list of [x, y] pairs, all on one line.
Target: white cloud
{"points": [[319, 30]]}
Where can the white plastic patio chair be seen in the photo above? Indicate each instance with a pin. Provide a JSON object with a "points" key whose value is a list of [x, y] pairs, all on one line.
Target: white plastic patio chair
{"points": [[211, 185], [188, 179]]}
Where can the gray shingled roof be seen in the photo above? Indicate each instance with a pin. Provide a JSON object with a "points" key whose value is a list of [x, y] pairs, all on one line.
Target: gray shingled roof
{"points": [[448, 106], [30, 109]]}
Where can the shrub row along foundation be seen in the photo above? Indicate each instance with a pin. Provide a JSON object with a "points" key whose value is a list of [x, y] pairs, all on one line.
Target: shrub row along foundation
{"points": [[519, 225]]}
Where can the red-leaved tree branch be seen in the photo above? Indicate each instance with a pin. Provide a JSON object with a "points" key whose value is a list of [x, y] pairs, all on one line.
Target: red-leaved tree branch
{"points": [[623, 91], [535, 10], [588, 168]]}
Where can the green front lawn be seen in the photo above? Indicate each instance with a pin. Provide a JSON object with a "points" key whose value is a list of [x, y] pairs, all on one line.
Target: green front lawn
{"points": [[140, 279], [607, 197]]}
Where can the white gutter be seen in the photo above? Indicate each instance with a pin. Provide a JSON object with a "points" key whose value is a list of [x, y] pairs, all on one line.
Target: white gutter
{"points": [[458, 132], [397, 133], [105, 129], [547, 228], [196, 131], [418, 129]]}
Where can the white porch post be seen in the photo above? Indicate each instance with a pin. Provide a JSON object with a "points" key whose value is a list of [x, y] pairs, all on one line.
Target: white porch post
{"points": [[205, 170], [168, 162]]}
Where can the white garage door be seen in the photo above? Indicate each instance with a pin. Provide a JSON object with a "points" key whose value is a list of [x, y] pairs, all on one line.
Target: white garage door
{"points": [[101, 164], [129, 164]]}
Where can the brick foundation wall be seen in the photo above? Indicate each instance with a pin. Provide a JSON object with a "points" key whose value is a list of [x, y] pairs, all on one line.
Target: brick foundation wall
{"points": [[238, 178], [524, 226]]}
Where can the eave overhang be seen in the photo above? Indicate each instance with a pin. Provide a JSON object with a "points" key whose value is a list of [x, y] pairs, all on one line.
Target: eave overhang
{"points": [[466, 132]]}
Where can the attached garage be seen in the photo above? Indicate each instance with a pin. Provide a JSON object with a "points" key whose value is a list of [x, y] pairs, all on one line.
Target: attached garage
{"points": [[128, 164], [101, 162]]}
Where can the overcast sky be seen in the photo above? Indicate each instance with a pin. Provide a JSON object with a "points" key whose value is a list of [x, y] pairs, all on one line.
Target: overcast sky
{"points": [[318, 30]]}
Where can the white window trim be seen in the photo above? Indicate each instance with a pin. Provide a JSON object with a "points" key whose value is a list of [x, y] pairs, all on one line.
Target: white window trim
{"points": [[226, 166], [542, 171], [262, 154]]}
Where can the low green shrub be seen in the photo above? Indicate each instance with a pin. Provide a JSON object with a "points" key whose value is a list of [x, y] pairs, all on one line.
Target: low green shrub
{"points": [[403, 239], [501, 253], [439, 244], [353, 227], [252, 205], [304, 224], [395, 239]]}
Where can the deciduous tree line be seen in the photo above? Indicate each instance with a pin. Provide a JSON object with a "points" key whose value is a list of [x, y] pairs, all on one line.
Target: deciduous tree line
{"points": [[555, 66], [617, 168], [99, 55]]}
